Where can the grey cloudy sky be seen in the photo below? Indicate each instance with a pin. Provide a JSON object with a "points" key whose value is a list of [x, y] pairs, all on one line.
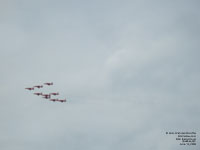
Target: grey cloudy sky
{"points": [[129, 70]]}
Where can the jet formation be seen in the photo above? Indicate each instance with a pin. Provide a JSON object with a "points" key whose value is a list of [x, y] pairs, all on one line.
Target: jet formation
{"points": [[46, 95]]}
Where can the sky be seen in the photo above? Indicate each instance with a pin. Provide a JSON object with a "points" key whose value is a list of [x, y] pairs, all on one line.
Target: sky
{"points": [[128, 69]]}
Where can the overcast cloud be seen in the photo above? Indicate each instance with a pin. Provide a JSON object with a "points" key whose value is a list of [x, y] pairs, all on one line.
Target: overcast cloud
{"points": [[129, 70]]}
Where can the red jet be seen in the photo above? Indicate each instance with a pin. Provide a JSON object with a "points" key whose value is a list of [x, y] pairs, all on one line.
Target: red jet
{"points": [[53, 100], [62, 100], [38, 94], [47, 96], [49, 83], [39, 86], [54, 93], [30, 88]]}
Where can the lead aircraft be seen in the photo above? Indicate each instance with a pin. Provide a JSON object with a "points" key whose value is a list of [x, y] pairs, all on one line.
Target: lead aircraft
{"points": [[32, 88]]}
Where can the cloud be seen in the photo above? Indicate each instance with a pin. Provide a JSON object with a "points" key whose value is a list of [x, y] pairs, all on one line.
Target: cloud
{"points": [[129, 71]]}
